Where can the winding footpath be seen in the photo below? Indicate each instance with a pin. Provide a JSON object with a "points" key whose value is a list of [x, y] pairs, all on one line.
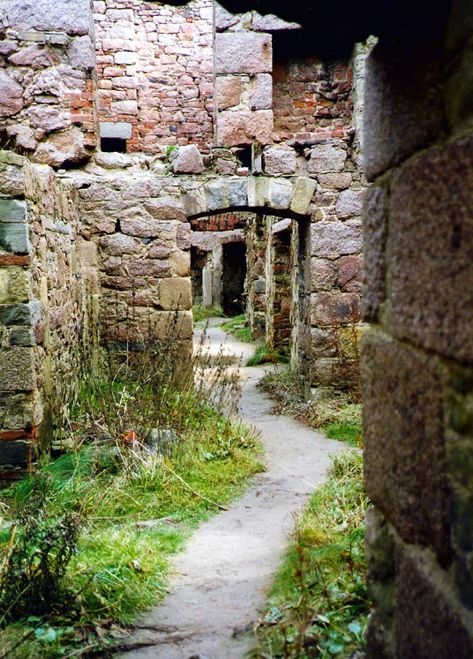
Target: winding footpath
{"points": [[220, 580]]}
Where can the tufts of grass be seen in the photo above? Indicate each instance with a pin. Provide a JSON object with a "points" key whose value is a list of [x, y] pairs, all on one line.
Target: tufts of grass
{"points": [[266, 355], [318, 605], [199, 312], [239, 328]]}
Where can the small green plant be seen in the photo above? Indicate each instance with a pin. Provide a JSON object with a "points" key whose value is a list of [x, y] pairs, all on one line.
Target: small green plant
{"points": [[318, 605], [170, 150], [266, 355], [36, 556]]}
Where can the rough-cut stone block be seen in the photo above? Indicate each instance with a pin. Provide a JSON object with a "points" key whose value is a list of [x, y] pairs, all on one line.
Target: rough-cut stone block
{"points": [[322, 342], [24, 136], [333, 308], [405, 460], [375, 228], [17, 369], [124, 57], [326, 159], [227, 91], [424, 606], [36, 57], [16, 411], [120, 129], [166, 208], [223, 18], [113, 160], [66, 146], [261, 93], [195, 202], [323, 274], [350, 273], [237, 192], [243, 52], [12, 210], [148, 268], [279, 161], [349, 204], [119, 244], [175, 293], [303, 192], [11, 95], [280, 193], [62, 15], [180, 263], [48, 117], [81, 53], [15, 238], [403, 107], [431, 247], [244, 127], [14, 285], [21, 314], [187, 160], [339, 181], [271, 23], [217, 195], [333, 239]]}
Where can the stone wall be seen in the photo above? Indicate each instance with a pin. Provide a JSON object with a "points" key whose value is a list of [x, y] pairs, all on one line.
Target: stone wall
{"points": [[48, 306], [418, 356], [155, 72], [47, 80]]}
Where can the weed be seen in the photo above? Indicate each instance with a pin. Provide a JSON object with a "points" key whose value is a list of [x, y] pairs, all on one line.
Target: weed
{"points": [[318, 605], [35, 557]]}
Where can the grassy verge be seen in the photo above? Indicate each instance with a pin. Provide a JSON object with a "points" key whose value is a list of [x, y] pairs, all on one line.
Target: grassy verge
{"points": [[137, 515], [199, 312], [85, 542], [238, 327], [318, 605], [335, 414]]}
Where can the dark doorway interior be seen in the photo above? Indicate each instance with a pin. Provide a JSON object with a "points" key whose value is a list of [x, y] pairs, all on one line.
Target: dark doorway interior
{"points": [[234, 275], [198, 262]]}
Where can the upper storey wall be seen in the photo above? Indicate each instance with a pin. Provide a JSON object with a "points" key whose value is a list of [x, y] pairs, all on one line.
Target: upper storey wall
{"points": [[47, 64], [155, 72]]}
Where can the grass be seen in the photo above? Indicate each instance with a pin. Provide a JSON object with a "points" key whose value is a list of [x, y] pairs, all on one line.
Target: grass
{"points": [[121, 564], [265, 355], [199, 312], [138, 495], [335, 413], [239, 328], [318, 605]]}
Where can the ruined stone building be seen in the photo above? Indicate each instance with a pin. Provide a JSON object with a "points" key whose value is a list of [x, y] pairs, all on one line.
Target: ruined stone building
{"points": [[130, 129]]}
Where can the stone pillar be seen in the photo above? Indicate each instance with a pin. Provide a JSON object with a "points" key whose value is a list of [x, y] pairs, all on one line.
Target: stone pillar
{"points": [[418, 355], [207, 286]]}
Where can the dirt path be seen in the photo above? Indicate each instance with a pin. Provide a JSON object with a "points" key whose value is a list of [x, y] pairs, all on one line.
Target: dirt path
{"points": [[220, 579]]}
